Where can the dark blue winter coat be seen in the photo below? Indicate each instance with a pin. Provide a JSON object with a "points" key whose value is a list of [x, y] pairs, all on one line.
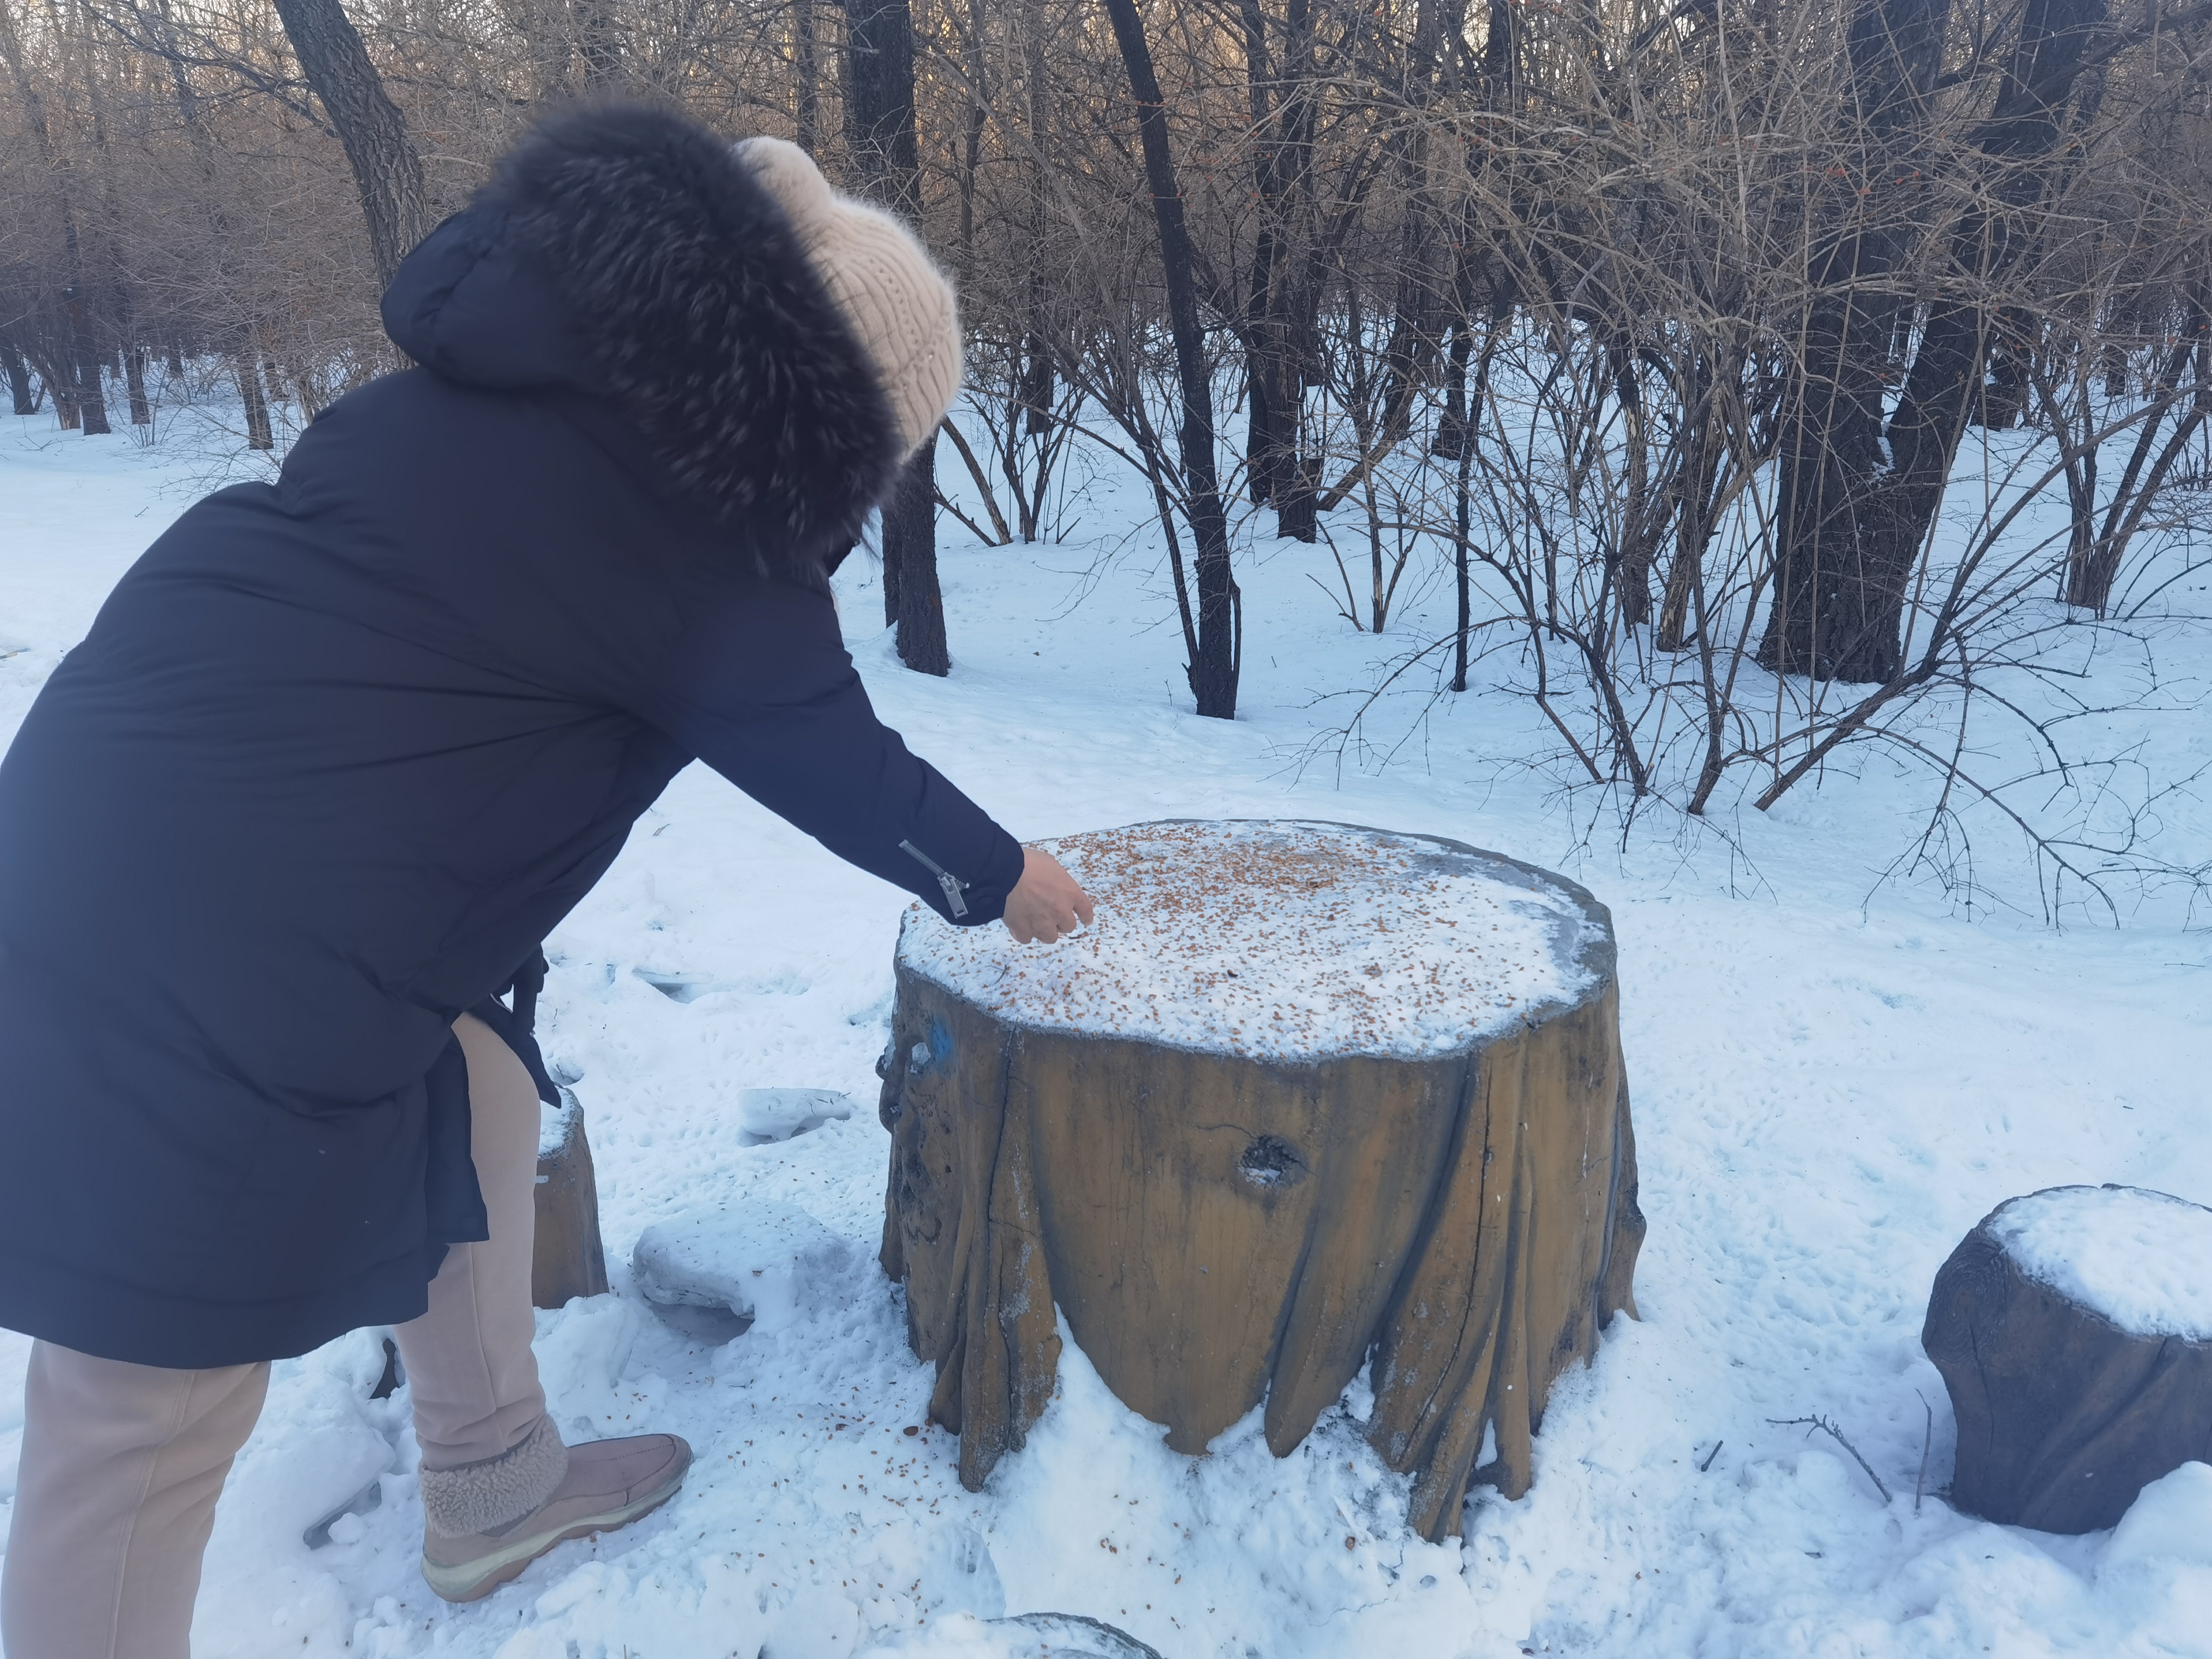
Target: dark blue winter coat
{"points": [[340, 750]]}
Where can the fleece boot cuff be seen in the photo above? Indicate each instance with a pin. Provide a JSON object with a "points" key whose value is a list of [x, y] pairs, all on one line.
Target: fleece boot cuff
{"points": [[493, 1495]]}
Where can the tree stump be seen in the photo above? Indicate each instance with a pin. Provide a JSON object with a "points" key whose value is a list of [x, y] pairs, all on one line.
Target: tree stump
{"points": [[1306, 1098], [566, 1259], [2073, 1330]]}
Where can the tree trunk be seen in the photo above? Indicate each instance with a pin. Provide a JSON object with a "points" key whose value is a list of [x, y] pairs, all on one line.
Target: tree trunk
{"points": [[1410, 356], [599, 45], [1643, 512], [807, 116], [2115, 366], [1265, 450], [134, 377], [1039, 385], [19, 376], [971, 153], [386, 171], [1461, 550], [1827, 586], [1278, 321], [2091, 573], [879, 113], [2008, 381], [879, 82], [910, 547], [1451, 437], [1945, 381], [1298, 501], [1214, 675], [91, 400], [543, 26], [48, 356], [1841, 616], [1703, 445], [259, 433], [133, 355], [1220, 1229]]}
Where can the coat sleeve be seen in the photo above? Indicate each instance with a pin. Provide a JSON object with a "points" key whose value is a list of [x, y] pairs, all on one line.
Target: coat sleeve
{"points": [[760, 687]]}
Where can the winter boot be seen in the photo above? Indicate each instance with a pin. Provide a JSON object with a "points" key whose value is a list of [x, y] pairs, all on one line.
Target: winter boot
{"points": [[484, 1523]]}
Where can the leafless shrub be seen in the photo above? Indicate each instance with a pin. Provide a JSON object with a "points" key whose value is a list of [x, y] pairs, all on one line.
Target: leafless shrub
{"points": [[1780, 383]]}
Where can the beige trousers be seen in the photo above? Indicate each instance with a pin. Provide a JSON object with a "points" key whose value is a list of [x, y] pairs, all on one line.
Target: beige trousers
{"points": [[122, 1463]]}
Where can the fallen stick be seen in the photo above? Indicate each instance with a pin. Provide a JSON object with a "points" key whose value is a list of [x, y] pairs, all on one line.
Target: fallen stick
{"points": [[1822, 1424]]}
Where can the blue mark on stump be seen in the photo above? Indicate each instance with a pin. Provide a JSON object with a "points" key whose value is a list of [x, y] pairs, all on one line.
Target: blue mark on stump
{"points": [[926, 1056]]}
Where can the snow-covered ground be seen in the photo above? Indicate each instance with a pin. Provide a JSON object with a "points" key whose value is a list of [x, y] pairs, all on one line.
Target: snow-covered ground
{"points": [[1830, 1090]]}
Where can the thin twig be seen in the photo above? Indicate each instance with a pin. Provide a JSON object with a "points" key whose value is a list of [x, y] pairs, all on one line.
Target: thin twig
{"points": [[1808, 1424], [1926, 1439]]}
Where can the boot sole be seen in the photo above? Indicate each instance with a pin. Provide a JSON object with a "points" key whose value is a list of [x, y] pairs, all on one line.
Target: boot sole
{"points": [[472, 1581]]}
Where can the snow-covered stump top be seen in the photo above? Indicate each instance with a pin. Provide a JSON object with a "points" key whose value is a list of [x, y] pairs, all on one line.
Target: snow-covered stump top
{"points": [[1305, 1098], [2072, 1328], [2140, 1259], [1284, 941]]}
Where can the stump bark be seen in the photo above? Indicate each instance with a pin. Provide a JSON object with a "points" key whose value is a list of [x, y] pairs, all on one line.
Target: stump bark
{"points": [[566, 1257], [2065, 1411], [1220, 1228]]}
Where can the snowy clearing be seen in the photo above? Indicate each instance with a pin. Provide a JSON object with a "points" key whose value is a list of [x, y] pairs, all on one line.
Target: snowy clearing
{"points": [[1830, 1090]]}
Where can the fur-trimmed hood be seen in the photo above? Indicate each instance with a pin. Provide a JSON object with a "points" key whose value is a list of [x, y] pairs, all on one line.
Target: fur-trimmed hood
{"points": [[625, 253]]}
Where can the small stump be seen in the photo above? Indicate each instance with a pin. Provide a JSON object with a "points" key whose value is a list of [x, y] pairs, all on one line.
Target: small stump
{"points": [[2073, 1330], [1307, 1097], [566, 1259]]}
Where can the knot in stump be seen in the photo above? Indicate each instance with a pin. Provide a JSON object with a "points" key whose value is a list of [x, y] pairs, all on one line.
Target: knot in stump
{"points": [[2072, 1328], [1307, 1097]]}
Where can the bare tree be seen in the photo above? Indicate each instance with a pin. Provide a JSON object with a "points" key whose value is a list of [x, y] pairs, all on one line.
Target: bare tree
{"points": [[386, 170], [880, 114], [1214, 667], [1829, 589]]}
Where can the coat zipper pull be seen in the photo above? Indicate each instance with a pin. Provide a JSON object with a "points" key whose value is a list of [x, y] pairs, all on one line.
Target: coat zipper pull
{"points": [[952, 884]]}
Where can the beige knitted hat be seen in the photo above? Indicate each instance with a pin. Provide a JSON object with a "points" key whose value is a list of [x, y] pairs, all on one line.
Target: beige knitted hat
{"points": [[881, 277]]}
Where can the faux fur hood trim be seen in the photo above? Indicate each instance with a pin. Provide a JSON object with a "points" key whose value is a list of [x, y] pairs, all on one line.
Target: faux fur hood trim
{"points": [[494, 1494], [710, 329]]}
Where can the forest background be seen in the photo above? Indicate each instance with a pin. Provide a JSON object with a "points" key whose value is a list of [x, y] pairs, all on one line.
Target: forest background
{"points": [[1772, 378]]}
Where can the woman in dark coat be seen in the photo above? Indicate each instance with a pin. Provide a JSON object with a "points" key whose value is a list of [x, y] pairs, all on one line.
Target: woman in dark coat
{"points": [[338, 752]]}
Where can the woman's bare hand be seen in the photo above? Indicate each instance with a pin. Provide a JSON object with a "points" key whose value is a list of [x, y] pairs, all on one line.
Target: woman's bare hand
{"points": [[1045, 904]]}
